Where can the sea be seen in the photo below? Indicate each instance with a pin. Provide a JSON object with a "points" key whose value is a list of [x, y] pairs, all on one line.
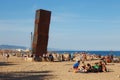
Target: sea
{"points": [[102, 53]]}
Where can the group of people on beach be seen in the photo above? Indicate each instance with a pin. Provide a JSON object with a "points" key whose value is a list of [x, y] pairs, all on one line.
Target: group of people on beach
{"points": [[82, 67], [49, 57]]}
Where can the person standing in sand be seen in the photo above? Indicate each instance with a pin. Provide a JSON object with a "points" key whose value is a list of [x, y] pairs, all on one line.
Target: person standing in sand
{"points": [[6, 56]]}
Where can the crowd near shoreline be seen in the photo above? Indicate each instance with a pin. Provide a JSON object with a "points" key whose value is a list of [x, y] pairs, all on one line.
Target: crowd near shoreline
{"points": [[55, 56], [56, 66]]}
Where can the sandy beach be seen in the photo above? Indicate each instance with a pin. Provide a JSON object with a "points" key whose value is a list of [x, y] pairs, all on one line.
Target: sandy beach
{"points": [[18, 69]]}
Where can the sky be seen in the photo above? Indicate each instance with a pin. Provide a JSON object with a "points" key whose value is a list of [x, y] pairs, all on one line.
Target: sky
{"points": [[74, 25]]}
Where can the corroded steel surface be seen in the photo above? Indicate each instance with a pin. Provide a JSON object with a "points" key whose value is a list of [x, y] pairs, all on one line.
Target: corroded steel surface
{"points": [[41, 32]]}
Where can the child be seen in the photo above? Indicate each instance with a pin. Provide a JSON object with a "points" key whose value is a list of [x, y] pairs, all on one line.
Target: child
{"points": [[75, 66]]}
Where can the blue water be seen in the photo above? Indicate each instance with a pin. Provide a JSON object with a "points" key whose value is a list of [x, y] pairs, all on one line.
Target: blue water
{"points": [[114, 53]]}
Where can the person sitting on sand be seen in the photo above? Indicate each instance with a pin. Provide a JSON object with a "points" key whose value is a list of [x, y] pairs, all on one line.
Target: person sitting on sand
{"points": [[102, 67], [83, 67], [45, 57], [88, 67], [103, 60], [50, 57], [96, 67], [76, 66]]}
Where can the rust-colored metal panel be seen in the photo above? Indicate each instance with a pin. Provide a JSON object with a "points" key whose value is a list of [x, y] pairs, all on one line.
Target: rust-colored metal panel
{"points": [[41, 32]]}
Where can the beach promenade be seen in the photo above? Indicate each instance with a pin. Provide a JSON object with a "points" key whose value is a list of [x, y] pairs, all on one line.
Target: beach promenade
{"points": [[18, 69]]}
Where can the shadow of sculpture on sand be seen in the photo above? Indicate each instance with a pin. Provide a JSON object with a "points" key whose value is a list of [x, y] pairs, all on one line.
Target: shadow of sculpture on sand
{"points": [[6, 63], [27, 75]]}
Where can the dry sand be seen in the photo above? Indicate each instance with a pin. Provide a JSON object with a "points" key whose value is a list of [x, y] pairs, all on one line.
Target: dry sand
{"points": [[18, 69]]}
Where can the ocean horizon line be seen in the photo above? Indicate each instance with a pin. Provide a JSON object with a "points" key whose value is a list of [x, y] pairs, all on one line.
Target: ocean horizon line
{"points": [[83, 50]]}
